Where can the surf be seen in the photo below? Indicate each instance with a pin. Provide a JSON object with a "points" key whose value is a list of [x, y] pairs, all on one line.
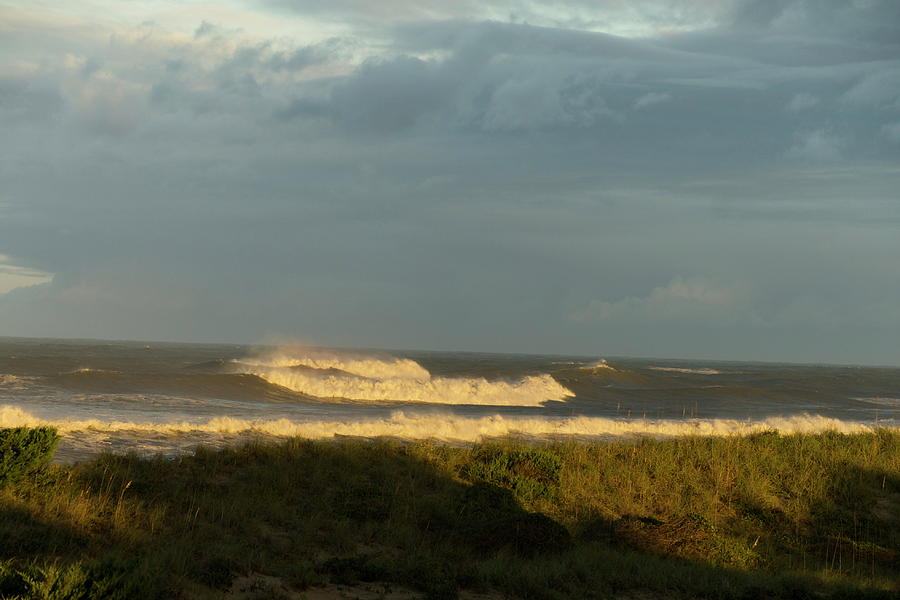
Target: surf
{"points": [[390, 379], [447, 427]]}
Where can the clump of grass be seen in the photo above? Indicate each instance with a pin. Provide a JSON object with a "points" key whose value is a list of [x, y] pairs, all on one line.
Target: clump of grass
{"points": [[531, 473], [23, 450], [741, 517]]}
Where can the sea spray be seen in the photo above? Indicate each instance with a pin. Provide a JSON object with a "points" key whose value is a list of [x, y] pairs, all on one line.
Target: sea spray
{"points": [[388, 368]]}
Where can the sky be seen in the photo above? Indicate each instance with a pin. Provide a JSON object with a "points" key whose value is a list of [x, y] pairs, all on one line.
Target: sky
{"points": [[692, 178]]}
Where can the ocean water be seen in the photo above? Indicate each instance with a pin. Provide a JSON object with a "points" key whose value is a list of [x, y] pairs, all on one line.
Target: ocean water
{"points": [[168, 398]]}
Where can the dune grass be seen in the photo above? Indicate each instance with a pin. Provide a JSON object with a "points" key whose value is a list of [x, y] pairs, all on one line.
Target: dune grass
{"points": [[761, 516]]}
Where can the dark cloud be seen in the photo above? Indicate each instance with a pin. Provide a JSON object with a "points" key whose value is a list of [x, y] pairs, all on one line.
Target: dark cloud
{"points": [[387, 95]]}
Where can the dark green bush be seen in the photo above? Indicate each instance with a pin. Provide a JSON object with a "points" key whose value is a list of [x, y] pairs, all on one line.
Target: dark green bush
{"points": [[23, 449], [105, 580]]}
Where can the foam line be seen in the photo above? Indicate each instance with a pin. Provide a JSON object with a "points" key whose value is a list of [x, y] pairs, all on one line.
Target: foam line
{"points": [[687, 371], [447, 427]]}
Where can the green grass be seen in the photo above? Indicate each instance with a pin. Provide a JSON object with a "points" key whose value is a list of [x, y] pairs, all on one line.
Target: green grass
{"points": [[762, 516]]}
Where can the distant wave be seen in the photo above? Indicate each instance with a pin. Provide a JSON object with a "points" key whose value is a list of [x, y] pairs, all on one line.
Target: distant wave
{"points": [[89, 371], [600, 365], [14, 382], [395, 379], [881, 401], [687, 371], [447, 427]]}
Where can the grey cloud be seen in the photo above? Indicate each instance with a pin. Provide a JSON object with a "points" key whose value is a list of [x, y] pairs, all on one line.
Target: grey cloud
{"points": [[570, 14], [470, 185], [206, 28], [522, 78], [802, 101], [651, 98], [817, 146], [892, 131], [800, 32], [857, 20], [512, 78], [387, 95], [29, 99], [876, 90], [489, 39], [314, 54]]}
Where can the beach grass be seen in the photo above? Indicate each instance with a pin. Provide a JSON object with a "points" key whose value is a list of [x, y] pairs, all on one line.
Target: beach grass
{"points": [[758, 516]]}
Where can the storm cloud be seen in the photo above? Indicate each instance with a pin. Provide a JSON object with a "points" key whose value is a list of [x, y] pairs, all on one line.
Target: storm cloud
{"points": [[653, 178]]}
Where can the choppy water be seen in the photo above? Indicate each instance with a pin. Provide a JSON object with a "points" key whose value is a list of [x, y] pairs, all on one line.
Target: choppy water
{"points": [[170, 397]]}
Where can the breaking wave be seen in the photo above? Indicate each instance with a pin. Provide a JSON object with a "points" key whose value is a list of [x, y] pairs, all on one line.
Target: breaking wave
{"points": [[15, 382], [392, 368], [89, 371], [447, 427], [687, 371], [600, 365], [398, 380]]}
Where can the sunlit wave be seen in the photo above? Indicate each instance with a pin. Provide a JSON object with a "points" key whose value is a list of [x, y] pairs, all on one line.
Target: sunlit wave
{"points": [[395, 379]]}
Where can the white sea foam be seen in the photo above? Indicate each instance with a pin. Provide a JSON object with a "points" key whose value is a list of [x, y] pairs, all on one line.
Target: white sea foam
{"points": [[395, 379], [600, 365], [444, 427], [15, 382], [687, 371], [530, 391], [376, 368], [88, 370], [6, 379]]}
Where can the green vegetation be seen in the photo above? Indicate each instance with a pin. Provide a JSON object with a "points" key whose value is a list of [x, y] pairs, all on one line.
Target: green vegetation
{"points": [[762, 516], [23, 450]]}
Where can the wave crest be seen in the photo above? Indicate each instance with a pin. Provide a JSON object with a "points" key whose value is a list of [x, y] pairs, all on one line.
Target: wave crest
{"points": [[600, 365], [15, 383], [530, 391], [397, 380], [686, 371], [392, 368]]}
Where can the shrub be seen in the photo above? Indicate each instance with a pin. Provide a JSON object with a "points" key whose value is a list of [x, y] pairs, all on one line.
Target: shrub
{"points": [[23, 450], [76, 581]]}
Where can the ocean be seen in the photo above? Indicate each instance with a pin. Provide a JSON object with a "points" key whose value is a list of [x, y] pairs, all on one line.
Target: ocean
{"points": [[168, 398]]}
